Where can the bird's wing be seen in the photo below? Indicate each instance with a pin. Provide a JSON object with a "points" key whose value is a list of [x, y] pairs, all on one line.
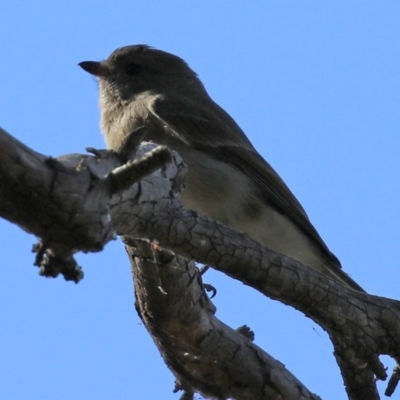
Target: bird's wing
{"points": [[198, 122], [213, 131]]}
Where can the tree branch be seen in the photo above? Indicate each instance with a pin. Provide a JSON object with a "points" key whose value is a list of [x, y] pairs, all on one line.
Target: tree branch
{"points": [[69, 204], [205, 355], [361, 326]]}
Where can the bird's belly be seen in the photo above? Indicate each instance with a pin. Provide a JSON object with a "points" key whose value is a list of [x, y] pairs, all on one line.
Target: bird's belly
{"points": [[222, 192]]}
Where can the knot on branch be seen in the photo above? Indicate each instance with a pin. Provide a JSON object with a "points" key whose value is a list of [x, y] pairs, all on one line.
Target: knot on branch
{"points": [[51, 265]]}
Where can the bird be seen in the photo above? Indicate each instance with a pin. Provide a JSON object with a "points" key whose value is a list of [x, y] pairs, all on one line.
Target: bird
{"points": [[227, 179]]}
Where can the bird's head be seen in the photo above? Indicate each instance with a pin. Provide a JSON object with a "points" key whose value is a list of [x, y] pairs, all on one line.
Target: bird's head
{"points": [[132, 70]]}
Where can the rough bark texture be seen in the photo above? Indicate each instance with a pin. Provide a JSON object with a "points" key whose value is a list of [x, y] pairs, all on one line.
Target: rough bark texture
{"points": [[78, 203], [206, 355]]}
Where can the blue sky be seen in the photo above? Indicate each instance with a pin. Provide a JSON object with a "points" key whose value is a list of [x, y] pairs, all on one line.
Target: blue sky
{"points": [[316, 87]]}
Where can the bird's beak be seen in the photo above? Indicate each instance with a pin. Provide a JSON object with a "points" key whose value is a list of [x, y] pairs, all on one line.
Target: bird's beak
{"points": [[95, 68]]}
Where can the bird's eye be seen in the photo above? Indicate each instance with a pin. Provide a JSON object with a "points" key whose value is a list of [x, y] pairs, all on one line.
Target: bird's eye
{"points": [[133, 69]]}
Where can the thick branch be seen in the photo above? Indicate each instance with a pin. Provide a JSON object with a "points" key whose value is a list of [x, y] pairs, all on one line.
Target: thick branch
{"points": [[65, 202], [205, 355], [361, 326], [50, 200]]}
